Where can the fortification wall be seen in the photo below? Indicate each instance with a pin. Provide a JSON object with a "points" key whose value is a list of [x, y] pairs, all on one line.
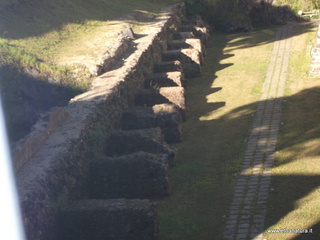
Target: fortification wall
{"points": [[54, 165]]}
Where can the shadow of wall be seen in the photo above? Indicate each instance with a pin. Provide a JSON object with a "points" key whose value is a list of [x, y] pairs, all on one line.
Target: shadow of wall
{"points": [[26, 96], [242, 15]]}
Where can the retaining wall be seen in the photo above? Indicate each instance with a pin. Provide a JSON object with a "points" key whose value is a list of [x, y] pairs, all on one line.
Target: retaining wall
{"points": [[57, 170], [315, 64]]}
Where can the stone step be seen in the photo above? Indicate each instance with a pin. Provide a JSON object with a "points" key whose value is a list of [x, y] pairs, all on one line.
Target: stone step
{"points": [[188, 55], [137, 175], [146, 140], [188, 43], [166, 116], [197, 27], [200, 32], [168, 66], [183, 35], [197, 31], [175, 95], [190, 60], [168, 79], [151, 97], [113, 219]]}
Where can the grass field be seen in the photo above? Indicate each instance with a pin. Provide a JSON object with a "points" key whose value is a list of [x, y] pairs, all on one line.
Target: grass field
{"points": [[56, 37], [221, 107], [295, 201]]}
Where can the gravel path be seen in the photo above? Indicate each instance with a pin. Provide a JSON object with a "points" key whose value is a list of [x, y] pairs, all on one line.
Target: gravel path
{"points": [[248, 209]]}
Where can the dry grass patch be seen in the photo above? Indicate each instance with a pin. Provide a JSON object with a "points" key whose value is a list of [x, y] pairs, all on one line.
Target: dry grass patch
{"points": [[55, 35], [295, 201], [221, 106]]}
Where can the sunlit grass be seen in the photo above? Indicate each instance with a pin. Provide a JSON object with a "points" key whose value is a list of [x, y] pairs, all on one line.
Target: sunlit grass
{"points": [[221, 107], [304, 215], [240, 71], [55, 35], [294, 203]]}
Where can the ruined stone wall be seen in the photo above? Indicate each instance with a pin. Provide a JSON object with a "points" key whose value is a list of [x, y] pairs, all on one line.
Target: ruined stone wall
{"points": [[26, 95], [315, 64], [57, 173]]}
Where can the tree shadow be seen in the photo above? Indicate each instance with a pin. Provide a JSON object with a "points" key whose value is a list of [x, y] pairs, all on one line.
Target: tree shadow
{"points": [[285, 188], [210, 156], [247, 40], [26, 96], [24, 19], [289, 190]]}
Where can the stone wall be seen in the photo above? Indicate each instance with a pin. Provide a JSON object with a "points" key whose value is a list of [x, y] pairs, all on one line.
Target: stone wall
{"points": [[26, 95], [315, 64], [136, 159], [57, 173]]}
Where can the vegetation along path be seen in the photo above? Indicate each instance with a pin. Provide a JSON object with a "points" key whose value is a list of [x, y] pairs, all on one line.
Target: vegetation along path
{"points": [[252, 115], [247, 212]]}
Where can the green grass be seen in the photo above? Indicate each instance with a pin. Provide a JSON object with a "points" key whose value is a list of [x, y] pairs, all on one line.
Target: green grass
{"points": [[221, 105], [297, 5], [55, 37], [294, 203], [53, 44]]}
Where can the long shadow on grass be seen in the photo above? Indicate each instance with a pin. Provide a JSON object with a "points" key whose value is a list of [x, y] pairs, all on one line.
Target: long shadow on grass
{"points": [[23, 19], [212, 151], [26, 96], [284, 199], [301, 114], [247, 41], [187, 214], [299, 127]]}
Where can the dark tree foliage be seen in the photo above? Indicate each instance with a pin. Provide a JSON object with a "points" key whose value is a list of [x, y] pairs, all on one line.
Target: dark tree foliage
{"points": [[240, 15]]}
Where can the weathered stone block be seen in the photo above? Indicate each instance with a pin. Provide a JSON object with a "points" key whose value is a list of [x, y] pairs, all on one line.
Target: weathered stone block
{"points": [[190, 60], [109, 59], [165, 116], [59, 170], [146, 140], [113, 219], [172, 55], [165, 108], [175, 95], [137, 175], [151, 97], [197, 31], [168, 79], [183, 35], [188, 43], [154, 133], [200, 32], [192, 70], [198, 27], [170, 66], [26, 147]]}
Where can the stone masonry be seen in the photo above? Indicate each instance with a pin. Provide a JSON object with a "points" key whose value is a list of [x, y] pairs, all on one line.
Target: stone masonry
{"points": [[136, 160], [315, 64], [57, 173]]}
